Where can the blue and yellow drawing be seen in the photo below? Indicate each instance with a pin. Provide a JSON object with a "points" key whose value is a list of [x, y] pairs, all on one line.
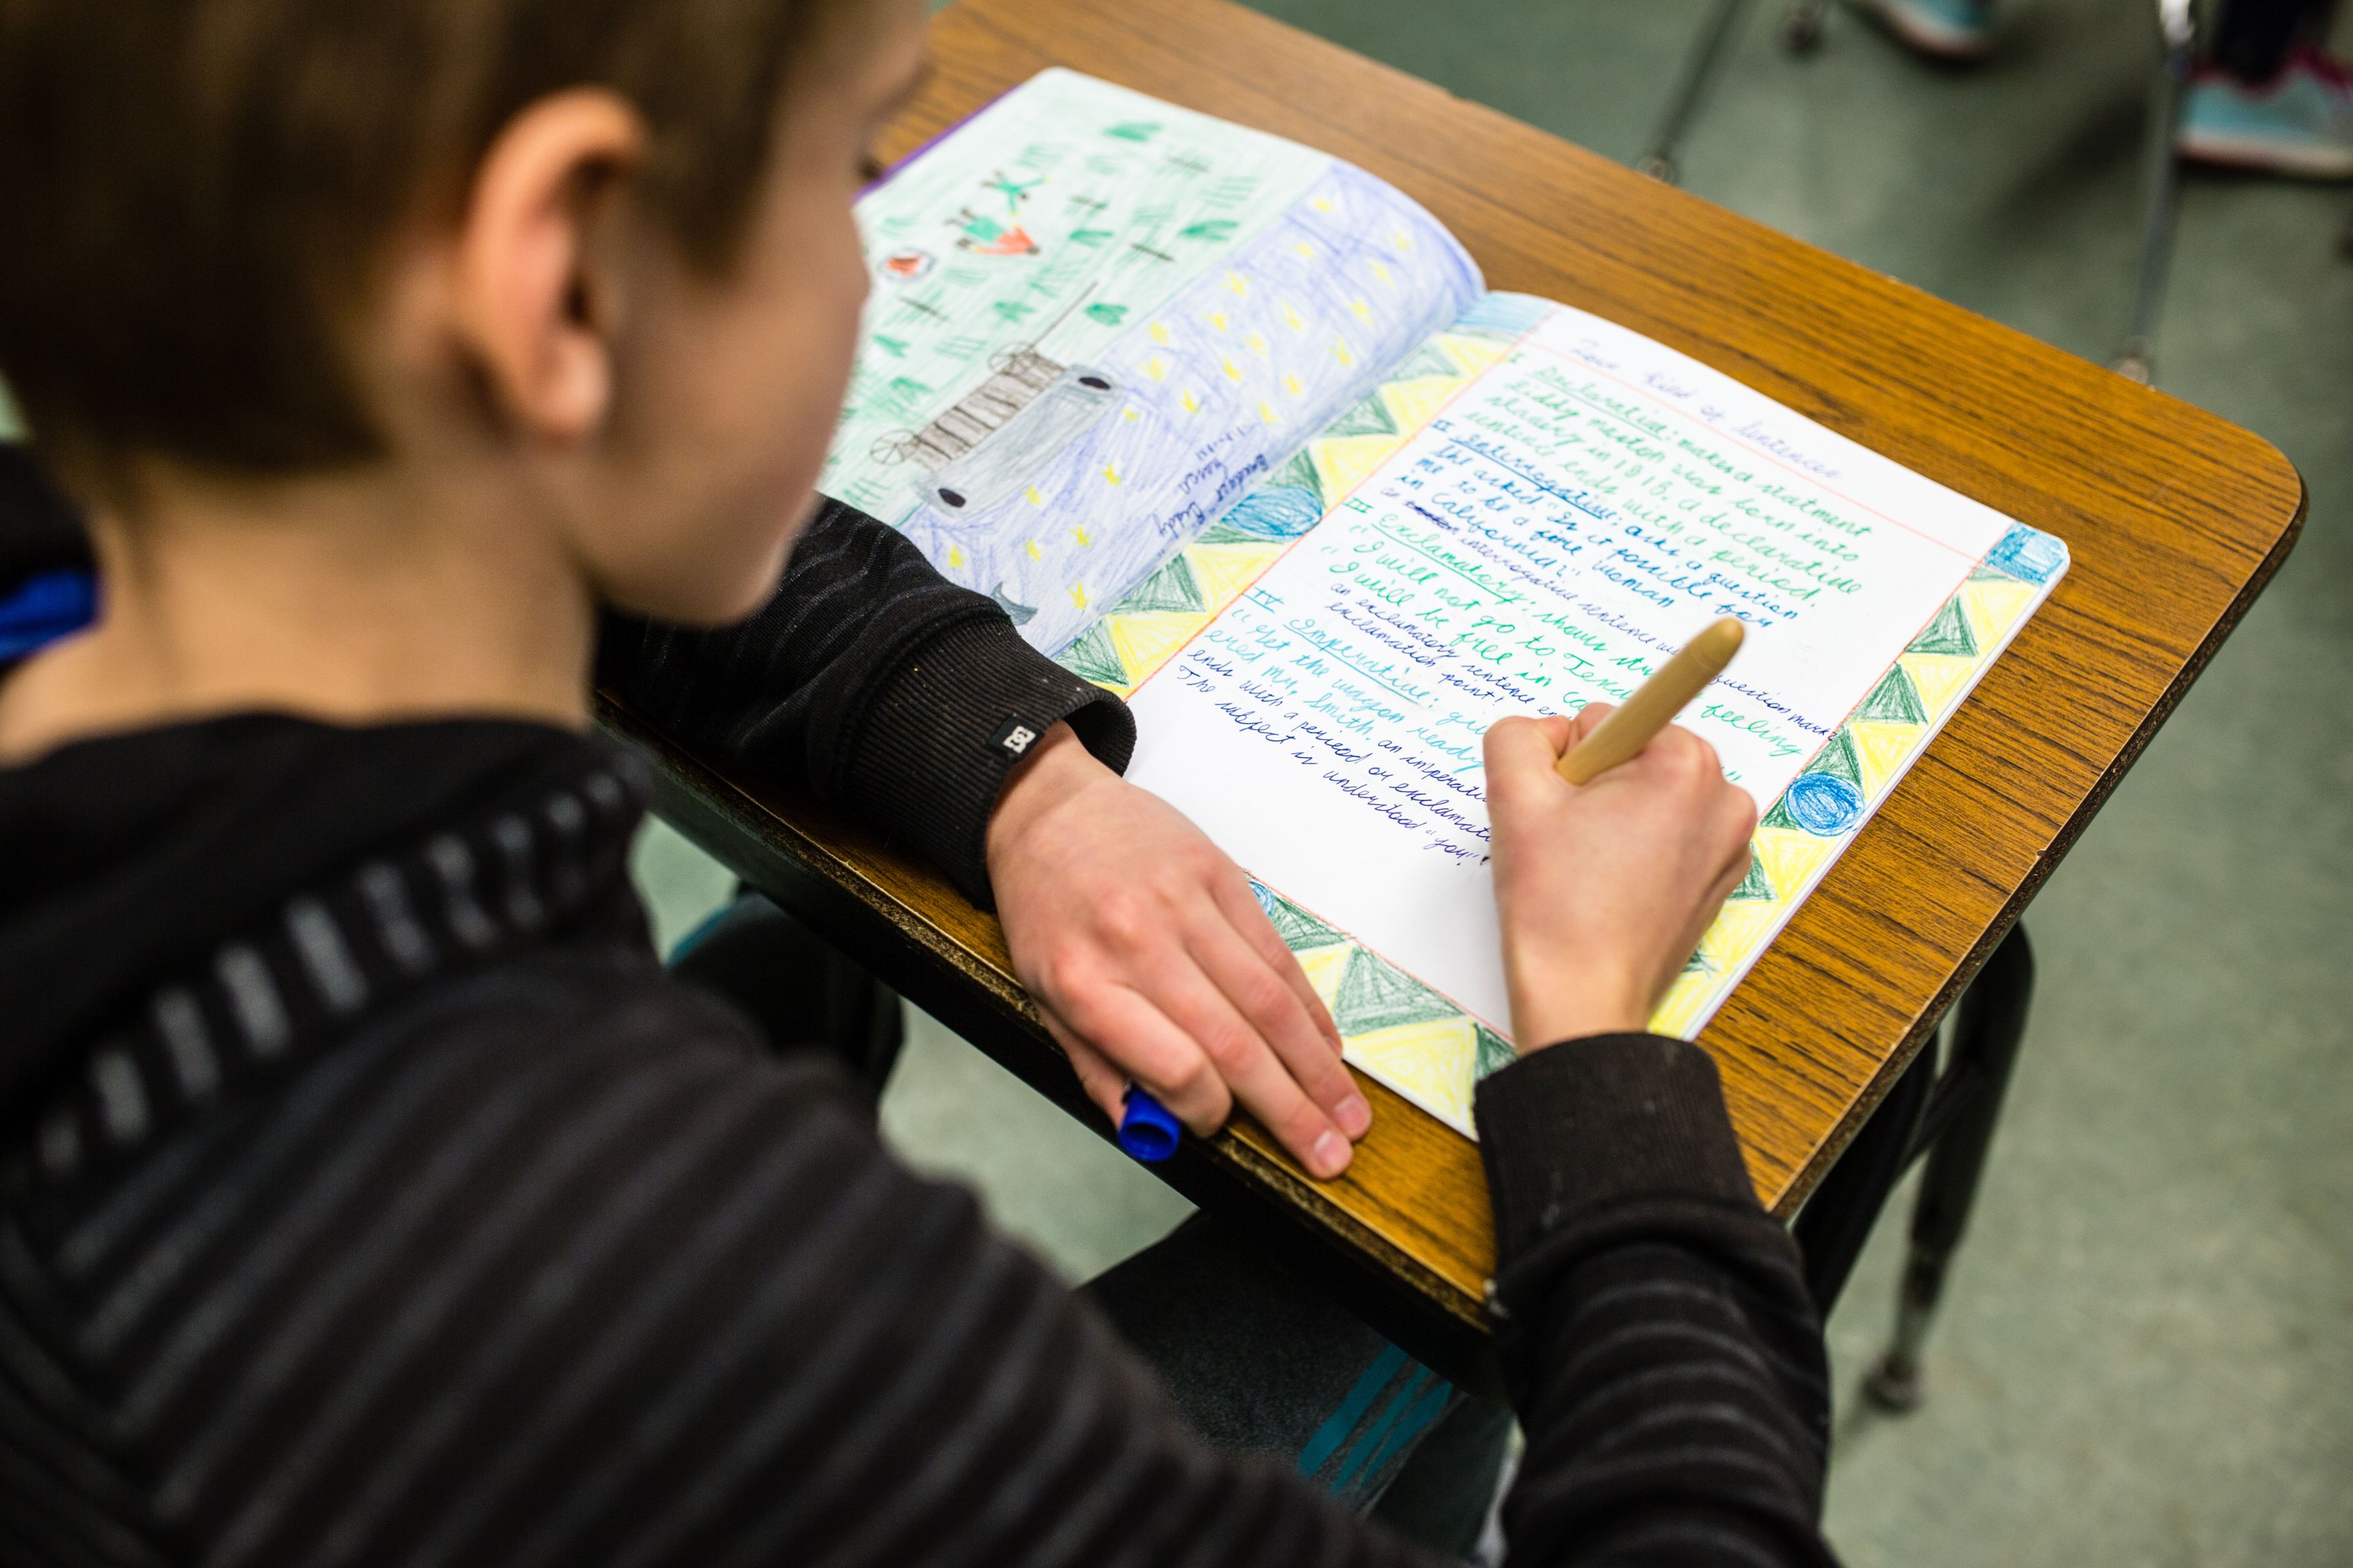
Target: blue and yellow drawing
{"points": [[1215, 384], [1138, 633], [1801, 833]]}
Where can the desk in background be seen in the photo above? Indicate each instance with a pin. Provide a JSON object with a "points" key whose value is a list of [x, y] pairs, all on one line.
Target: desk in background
{"points": [[2176, 519]]}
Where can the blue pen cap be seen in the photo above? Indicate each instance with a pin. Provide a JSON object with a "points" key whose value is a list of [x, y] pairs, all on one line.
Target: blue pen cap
{"points": [[44, 608], [1147, 1130]]}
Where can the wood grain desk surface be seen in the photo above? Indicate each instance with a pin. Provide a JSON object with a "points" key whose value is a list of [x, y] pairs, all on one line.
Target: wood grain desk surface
{"points": [[2175, 517]]}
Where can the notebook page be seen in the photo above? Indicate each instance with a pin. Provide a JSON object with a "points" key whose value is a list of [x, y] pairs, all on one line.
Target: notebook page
{"points": [[1573, 514], [1098, 319]]}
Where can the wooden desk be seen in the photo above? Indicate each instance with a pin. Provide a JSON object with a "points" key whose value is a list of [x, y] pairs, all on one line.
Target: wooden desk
{"points": [[2176, 519]]}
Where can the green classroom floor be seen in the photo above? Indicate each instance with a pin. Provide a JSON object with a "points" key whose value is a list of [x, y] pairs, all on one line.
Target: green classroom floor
{"points": [[2146, 1352]]}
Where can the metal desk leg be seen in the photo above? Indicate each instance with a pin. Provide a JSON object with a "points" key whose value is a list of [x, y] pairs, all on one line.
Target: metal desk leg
{"points": [[1985, 1047], [1839, 1218]]}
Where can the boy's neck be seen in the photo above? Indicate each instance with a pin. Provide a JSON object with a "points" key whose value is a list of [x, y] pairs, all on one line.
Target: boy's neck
{"points": [[350, 598]]}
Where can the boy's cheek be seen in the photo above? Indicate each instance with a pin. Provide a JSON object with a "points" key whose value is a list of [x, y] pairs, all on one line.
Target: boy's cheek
{"points": [[705, 576], [844, 287], [739, 399], [756, 586]]}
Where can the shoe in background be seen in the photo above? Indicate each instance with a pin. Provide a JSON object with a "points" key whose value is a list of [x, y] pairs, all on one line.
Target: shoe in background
{"points": [[2298, 123], [1942, 29]]}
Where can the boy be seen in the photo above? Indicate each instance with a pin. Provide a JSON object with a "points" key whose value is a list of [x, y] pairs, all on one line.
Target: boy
{"points": [[371, 1196]]}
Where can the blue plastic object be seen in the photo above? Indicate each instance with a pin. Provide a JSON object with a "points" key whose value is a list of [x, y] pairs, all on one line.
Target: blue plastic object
{"points": [[1147, 1130], [44, 608]]}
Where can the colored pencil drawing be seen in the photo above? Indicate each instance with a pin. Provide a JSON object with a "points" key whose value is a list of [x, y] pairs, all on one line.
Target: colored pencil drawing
{"points": [[1131, 637], [1187, 411], [1055, 445], [1050, 200]]}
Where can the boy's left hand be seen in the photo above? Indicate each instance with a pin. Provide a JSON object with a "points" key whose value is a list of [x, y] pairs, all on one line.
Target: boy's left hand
{"points": [[1150, 960]]}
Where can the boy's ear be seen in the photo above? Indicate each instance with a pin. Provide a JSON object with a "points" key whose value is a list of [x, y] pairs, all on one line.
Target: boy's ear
{"points": [[535, 297]]}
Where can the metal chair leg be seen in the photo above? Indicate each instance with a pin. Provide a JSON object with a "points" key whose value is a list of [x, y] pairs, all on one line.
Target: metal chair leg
{"points": [[1699, 65], [2136, 360], [1986, 1035]]}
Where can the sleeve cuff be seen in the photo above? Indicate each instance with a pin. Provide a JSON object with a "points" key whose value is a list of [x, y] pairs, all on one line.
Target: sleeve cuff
{"points": [[1570, 1129], [950, 724]]}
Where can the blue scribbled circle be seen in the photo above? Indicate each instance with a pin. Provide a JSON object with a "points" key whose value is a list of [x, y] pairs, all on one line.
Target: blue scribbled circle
{"points": [[1823, 803]]}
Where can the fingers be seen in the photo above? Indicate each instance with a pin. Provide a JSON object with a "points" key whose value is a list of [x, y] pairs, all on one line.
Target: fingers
{"points": [[1235, 1052], [1153, 963], [1521, 750], [1734, 873], [1734, 824], [1683, 753], [1522, 754], [1154, 1049], [1274, 1014], [1197, 1057], [1587, 720], [1207, 1017], [1739, 828], [1178, 1034], [1241, 909], [1104, 1083]]}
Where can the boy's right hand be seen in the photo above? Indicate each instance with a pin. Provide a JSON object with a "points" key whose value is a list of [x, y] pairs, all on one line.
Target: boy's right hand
{"points": [[1604, 888]]}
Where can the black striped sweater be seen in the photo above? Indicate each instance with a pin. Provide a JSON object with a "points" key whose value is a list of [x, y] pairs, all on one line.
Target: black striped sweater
{"points": [[367, 1195]]}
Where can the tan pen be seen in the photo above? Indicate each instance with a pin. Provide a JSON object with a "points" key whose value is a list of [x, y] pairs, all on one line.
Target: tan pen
{"points": [[1654, 704]]}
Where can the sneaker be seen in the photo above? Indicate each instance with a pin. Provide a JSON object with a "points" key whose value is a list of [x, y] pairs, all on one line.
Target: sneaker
{"points": [[2299, 123], [1947, 29]]}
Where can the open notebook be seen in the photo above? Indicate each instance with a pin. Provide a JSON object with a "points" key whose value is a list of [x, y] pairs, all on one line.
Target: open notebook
{"points": [[1233, 428]]}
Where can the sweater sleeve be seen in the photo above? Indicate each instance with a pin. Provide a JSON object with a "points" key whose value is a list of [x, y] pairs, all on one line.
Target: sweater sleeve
{"points": [[1657, 1336], [872, 682]]}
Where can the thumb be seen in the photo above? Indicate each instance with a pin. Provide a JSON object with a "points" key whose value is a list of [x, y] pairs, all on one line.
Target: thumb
{"points": [[1521, 752], [1589, 719]]}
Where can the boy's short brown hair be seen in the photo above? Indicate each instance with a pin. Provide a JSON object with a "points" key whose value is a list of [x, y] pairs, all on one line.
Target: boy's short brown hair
{"points": [[194, 194]]}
